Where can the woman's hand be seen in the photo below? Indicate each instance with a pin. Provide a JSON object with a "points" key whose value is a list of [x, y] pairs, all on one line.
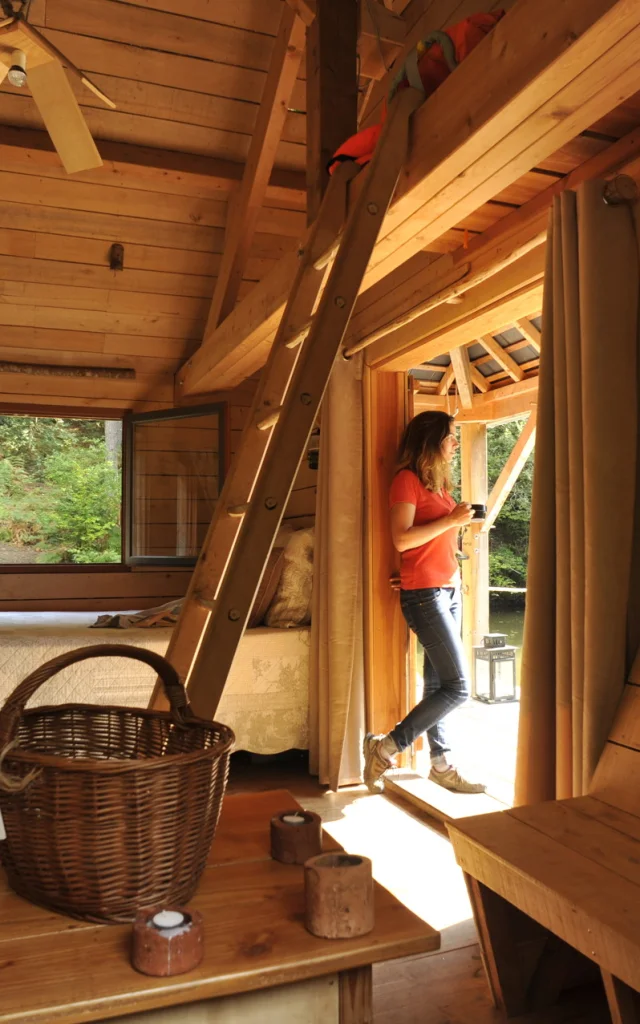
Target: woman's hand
{"points": [[461, 514]]}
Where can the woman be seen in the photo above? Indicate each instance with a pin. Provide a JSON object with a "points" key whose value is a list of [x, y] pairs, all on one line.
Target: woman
{"points": [[425, 522]]}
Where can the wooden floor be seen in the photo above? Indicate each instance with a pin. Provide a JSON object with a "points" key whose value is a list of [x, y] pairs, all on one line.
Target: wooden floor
{"points": [[415, 862]]}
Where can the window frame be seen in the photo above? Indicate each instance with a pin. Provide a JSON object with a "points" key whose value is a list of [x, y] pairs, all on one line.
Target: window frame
{"points": [[179, 413]]}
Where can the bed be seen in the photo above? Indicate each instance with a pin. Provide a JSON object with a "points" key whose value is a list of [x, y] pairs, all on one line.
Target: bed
{"points": [[265, 702]]}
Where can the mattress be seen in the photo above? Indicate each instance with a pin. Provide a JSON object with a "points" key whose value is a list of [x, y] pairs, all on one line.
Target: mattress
{"points": [[266, 699]]}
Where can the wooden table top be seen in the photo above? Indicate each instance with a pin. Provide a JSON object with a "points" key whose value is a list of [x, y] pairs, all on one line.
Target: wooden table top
{"points": [[56, 970]]}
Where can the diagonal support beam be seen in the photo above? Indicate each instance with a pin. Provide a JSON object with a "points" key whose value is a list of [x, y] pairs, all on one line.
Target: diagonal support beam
{"points": [[530, 332], [462, 370], [446, 380], [502, 358], [246, 205], [511, 471]]}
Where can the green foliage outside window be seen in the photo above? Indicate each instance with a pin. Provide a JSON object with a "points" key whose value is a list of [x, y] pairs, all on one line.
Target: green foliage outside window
{"points": [[60, 489]]}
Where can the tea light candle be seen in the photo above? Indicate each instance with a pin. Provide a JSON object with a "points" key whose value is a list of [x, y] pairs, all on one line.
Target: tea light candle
{"points": [[167, 941], [168, 919], [295, 836]]}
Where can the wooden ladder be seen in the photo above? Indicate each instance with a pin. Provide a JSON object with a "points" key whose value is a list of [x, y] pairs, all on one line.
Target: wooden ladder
{"points": [[333, 261]]}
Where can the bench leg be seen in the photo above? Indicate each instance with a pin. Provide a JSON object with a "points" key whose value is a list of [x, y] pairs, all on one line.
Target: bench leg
{"points": [[526, 966], [356, 995], [624, 1002]]}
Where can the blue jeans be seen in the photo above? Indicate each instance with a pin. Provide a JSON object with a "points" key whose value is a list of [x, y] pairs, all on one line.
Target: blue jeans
{"points": [[434, 615]]}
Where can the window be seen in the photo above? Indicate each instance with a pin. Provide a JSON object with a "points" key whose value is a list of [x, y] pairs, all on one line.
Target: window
{"points": [[175, 469], [60, 490]]}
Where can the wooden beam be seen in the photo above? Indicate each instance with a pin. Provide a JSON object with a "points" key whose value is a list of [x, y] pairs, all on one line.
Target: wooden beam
{"points": [[462, 371], [501, 357], [529, 331], [245, 209], [511, 471], [375, 20], [447, 380], [332, 91], [386, 633], [32, 152], [479, 380], [498, 404], [547, 71], [485, 309], [502, 403], [475, 544]]}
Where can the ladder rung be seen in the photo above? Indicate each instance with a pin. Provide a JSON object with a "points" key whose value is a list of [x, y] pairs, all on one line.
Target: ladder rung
{"points": [[297, 338], [237, 511], [270, 420]]}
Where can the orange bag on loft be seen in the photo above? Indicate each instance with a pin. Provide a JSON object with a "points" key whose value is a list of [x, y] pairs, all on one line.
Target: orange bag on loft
{"points": [[434, 58]]}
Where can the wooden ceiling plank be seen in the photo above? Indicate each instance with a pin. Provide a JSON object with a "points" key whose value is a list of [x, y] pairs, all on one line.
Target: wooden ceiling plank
{"points": [[530, 332], [144, 167], [510, 471], [502, 358], [246, 207], [535, 55], [462, 371]]}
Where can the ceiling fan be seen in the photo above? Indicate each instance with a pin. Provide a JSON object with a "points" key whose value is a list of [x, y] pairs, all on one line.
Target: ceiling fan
{"points": [[27, 57]]}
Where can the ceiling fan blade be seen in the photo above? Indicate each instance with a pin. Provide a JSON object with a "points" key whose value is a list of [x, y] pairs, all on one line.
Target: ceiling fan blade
{"points": [[62, 117], [57, 54]]}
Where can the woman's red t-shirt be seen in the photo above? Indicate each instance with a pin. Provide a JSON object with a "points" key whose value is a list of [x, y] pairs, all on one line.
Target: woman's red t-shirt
{"points": [[433, 564]]}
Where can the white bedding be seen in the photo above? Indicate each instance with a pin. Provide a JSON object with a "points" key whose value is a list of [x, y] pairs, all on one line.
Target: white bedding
{"points": [[266, 698]]}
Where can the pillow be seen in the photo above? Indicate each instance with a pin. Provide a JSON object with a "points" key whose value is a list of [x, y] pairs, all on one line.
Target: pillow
{"points": [[267, 589], [291, 605]]}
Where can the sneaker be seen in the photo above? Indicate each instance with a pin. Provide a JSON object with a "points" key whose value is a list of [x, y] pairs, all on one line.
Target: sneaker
{"points": [[376, 762], [453, 780]]}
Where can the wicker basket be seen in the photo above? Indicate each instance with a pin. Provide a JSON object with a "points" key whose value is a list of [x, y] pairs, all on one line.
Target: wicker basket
{"points": [[108, 810]]}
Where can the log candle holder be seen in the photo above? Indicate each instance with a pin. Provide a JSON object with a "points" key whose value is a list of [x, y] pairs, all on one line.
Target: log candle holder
{"points": [[339, 896], [167, 942], [296, 836]]}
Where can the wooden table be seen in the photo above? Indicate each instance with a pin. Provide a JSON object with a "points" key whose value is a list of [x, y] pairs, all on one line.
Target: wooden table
{"points": [[261, 965]]}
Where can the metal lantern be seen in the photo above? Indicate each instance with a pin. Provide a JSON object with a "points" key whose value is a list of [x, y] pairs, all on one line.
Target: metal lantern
{"points": [[494, 675]]}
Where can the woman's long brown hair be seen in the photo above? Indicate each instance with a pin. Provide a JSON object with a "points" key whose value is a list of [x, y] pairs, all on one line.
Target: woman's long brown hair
{"points": [[421, 449]]}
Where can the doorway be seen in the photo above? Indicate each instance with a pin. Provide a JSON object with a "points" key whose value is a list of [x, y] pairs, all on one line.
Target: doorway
{"points": [[483, 736]]}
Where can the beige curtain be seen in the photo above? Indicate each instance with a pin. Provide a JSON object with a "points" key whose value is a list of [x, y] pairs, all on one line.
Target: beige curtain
{"points": [[581, 622], [336, 705]]}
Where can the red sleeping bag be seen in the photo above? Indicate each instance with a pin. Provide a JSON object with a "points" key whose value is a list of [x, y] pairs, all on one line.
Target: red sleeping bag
{"points": [[433, 69]]}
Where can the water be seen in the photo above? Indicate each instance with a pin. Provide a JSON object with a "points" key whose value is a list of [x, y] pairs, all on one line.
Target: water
{"points": [[511, 622]]}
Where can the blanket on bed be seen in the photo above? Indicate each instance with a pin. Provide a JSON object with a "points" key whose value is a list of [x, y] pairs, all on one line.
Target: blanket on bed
{"points": [[164, 615]]}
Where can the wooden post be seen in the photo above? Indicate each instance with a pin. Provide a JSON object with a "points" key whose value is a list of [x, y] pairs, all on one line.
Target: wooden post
{"points": [[332, 90], [475, 543], [387, 692]]}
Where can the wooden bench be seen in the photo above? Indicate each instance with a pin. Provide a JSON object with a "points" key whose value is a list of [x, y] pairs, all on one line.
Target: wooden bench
{"points": [[261, 965], [554, 878]]}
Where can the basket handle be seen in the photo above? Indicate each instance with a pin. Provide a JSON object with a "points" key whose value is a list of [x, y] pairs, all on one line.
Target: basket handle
{"points": [[16, 702]]}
